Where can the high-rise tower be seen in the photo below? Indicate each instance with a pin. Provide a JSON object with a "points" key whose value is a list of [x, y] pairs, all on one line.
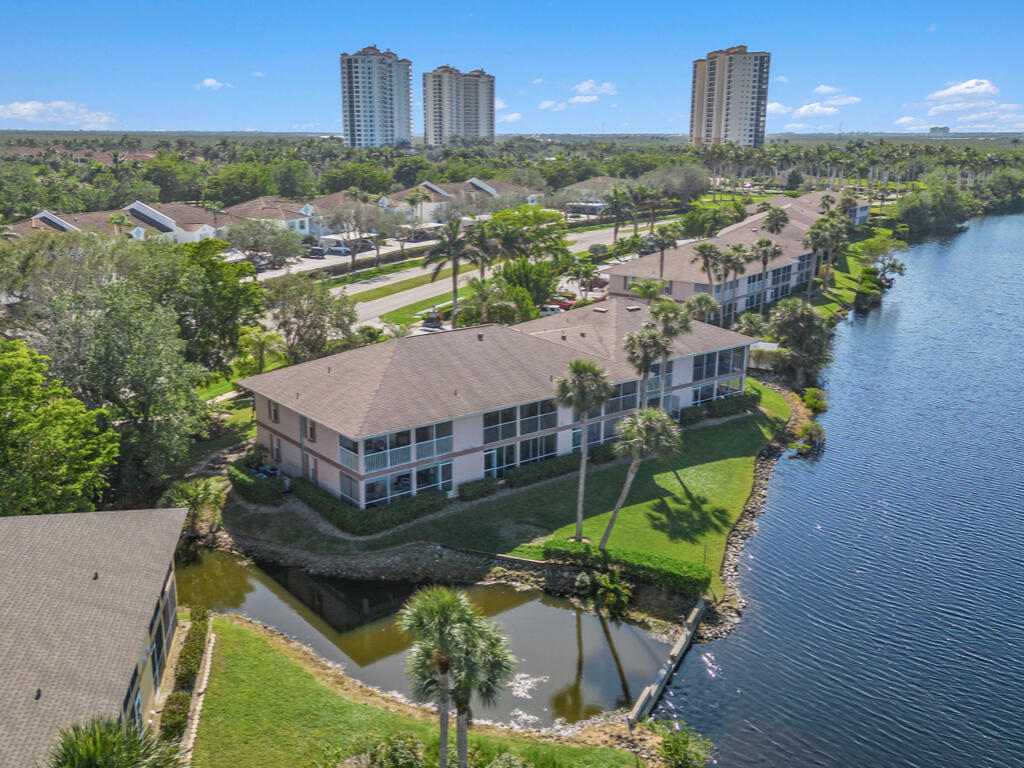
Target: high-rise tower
{"points": [[730, 97], [376, 98]]}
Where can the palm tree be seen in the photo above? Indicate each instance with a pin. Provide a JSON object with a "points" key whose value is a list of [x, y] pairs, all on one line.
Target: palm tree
{"points": [[487, 248], [827, 201], [415, 200], [751, 324], [453, 248], [672, 320], [776, 219], [701, 306], [662, 240], [481, 669], [397, 330], [584, 389], [117, 221], [108, 743], [765, 251], [643, 433], [437, 619], [259, 344], [583, 271], [618, 206], [708, 255], [713, 219], [485, 295], [647, 289], [643, 349], [198, 495]]}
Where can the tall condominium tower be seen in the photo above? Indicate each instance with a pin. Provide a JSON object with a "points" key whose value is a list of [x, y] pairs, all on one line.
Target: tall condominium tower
{"points": [[457, 104], [376, 98], [730, 96]]}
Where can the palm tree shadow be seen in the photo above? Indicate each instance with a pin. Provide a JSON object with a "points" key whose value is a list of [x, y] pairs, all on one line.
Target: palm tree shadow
{"points": [[689, 519]]}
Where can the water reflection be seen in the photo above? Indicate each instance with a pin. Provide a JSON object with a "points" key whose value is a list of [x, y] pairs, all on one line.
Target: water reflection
{"points": [[572, 665]]}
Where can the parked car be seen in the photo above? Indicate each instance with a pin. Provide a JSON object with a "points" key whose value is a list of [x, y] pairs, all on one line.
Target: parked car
{"points": [[550, 309], [565, 303], [316, 253], [338, 250]]}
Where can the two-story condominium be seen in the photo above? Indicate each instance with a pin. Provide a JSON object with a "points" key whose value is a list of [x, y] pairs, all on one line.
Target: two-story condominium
{"points": [[389, 420], [686, 277], [295, 215], [440, 197]]}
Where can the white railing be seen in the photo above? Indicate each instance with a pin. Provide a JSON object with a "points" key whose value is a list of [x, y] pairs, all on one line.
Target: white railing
{"points": [[348, 459], [431, 448], [396, 456]]}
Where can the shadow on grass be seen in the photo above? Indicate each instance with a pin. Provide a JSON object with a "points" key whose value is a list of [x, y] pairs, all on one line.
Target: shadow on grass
{"points": [[688, 519]]}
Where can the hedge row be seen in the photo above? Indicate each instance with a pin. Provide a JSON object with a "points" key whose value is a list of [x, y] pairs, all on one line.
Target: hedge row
{"points": [[477, 489], [259, 490], [528, 474], [191, 655], [680, 576], [174, 717], [362, 522], [692, 415], [730, 406]]}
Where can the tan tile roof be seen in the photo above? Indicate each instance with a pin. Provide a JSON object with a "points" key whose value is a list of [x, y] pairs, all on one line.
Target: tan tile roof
{"points": [[187, 217], [457, 188], [268, 208], [74, 638], [416, 380]]}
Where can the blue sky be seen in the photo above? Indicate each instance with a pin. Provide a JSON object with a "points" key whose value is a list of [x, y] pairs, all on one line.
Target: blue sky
{"points": [[560, 67]]}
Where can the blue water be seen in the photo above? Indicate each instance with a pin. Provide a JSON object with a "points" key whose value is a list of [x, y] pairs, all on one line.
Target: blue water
{"points": [[885, 624]]}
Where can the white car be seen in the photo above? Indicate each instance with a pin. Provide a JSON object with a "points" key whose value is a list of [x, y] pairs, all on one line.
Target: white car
{"points": [[550, 309]]}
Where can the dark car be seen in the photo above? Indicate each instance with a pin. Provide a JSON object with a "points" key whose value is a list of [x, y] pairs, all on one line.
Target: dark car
{"points": [[316, 253]]}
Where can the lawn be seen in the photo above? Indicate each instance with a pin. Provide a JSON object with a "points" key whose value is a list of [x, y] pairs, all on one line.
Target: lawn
{"points": [[409, 314], [683, 508], [270, 706], [223, 384], [366, 274], [402, 285], [240, 426]]}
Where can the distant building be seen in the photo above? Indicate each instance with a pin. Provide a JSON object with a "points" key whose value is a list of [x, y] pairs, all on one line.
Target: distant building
{"points": [[939, 130], [457, 104], [443, 197], [376, 98], [730, 97], [177, 222], [87, 619]]}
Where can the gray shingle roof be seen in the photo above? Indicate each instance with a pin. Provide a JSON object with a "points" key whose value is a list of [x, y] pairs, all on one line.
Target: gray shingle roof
{"points": [[74, 638], [417, 380]]}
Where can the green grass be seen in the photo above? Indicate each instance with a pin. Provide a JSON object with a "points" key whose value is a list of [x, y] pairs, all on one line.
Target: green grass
{"points": [[682, 508], [266, 707], [366, 274], [240, 426], [410, 314], [223, 384], [402, 285]]}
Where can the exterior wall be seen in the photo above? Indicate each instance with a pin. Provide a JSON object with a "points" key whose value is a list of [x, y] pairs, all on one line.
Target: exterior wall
{"points": [[145, 682]]}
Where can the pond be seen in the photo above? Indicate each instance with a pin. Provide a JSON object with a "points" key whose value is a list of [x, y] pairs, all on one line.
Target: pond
{"points": [[572, 665]]}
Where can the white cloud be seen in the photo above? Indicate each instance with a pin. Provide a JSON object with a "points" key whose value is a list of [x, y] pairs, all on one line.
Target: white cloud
{"points": [[57, 112], [817, 109], [559, 106], [212, 83], [546, 104], [824, 90], [775, 109], [588, 87], [781, 79], [499, 103], [796, 126], [842, 101], [908, 120], [960, 106], [512, 117], [583, 99], [974, 88], [257, 74], [538, 80]]}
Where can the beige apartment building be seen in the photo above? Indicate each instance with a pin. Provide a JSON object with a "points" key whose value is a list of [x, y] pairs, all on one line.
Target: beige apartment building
{"points": [[457, 104], [729, 97], [387, 421], [376, 98]]}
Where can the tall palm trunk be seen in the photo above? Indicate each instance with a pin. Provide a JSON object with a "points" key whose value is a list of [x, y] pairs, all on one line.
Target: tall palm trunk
{"points": [[455, 290], [661, 265], [661, 382], [582, 484], [634, 465], [462, 737], [764, 287], [615, 232], [444, 711]]}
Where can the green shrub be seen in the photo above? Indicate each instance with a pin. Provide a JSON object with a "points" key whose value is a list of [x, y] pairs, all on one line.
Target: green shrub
{"points": [[815, 398], [730, 406], [174, 717], [681, 576], [683, 747], [363, 522], [601, 454], [400, 749], [541, 470], [191, 656], [477, 489], [692, 415], [268, 491]]}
